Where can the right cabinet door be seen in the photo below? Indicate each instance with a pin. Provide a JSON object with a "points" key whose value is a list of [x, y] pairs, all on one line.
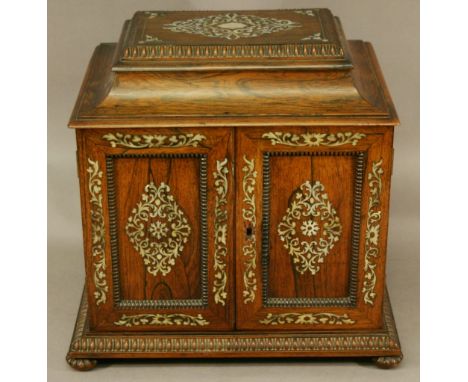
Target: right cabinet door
{"points": [[312, 214]]}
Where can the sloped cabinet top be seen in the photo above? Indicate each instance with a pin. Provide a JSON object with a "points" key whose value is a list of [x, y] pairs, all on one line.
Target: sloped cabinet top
{"points": [[233, 68]]}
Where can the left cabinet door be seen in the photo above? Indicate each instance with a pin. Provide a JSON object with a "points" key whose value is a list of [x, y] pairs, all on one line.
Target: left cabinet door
{"points": [[157, 207]]}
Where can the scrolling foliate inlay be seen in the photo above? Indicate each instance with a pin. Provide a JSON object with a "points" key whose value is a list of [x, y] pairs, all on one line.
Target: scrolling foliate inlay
{"points": [[307, 319], [98, 241], [250, 221], [374, 216], [310, 227], [221, 218], [161, 319], [143, 141], [314, 139], [158, 229], [231, 26]]}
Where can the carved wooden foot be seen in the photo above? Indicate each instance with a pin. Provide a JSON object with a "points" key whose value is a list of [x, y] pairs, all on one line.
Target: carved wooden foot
{"points": [[81, 364], [388, 362]]}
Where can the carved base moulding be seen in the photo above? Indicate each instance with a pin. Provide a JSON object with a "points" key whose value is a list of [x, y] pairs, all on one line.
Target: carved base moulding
{"points": [[381, 346]]}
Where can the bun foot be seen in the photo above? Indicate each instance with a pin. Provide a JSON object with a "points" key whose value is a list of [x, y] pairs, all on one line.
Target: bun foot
{"points": [[81, 364], [388, 362]]}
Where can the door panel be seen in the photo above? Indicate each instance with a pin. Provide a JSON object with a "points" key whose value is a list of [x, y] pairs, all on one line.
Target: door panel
{"points": [[164, 182], [307, 246], [166, 206], [299, 276]]}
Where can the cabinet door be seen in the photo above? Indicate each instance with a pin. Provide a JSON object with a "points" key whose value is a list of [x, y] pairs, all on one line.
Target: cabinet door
{"points": [[312, 209], [157, 212]]}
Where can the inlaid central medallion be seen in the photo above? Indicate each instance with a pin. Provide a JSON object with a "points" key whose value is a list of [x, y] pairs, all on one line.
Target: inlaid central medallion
{"points": [[310, 227], [158, 229], [231, 26]]}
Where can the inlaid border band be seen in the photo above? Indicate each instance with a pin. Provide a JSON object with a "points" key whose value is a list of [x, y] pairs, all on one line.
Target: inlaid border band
{"points": [[314, 139], [98, 232], [161, 319], [249, 248], [220, 231], [144, 141], [307, 319], [374, 215]]}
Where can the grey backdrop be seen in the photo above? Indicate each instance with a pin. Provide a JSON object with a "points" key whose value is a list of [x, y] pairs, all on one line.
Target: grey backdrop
{"points": [[75, 28]]}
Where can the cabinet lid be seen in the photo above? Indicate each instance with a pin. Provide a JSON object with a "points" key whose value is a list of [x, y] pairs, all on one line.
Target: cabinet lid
{"points": [[206, 40]]}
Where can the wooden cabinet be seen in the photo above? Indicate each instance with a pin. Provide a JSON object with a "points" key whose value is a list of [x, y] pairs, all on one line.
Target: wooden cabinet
{"points": [[234, 190]]}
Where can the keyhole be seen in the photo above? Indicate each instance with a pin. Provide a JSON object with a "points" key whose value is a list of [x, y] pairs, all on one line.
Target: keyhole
{"points": [[249, 231]]}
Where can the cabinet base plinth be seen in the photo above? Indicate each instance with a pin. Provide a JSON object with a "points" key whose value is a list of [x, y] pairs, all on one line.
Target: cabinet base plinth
{"points": [[381, 345]]}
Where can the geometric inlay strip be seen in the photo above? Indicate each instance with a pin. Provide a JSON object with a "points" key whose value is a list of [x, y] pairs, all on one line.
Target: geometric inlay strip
{"points": [[97, 231], [374, 216], [220, 234], [158, 51]]}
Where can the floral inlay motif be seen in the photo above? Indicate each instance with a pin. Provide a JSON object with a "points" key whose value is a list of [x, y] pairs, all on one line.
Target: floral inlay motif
{"points": [[221, 218], [158, 229], [162, 319], [248, 214], [319, 224], [309, 228], [314, 139], [231, 26], [98, 241], [307, 319], [372, 232], [143, 141]]}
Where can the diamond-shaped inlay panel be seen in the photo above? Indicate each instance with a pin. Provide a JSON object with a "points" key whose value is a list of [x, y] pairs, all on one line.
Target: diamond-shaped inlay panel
{"points": [[158, 229], [231, 26], [310, 227]]}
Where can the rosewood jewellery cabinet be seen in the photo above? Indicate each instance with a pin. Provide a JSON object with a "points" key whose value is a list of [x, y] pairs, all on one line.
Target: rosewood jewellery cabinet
{"points": [[235, 172]]}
